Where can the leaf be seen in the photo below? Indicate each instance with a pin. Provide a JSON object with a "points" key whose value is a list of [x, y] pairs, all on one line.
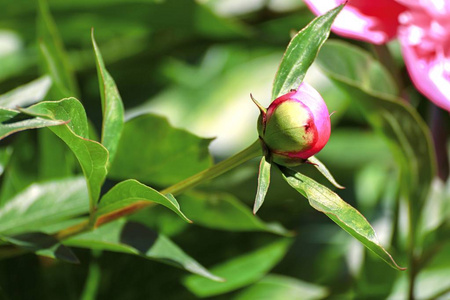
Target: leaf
{"points": [[301, 52], [132, 192], [52, 49], [5, 157], [263, 183], [26, 94], [91, 155], [342, 213], [7, 114], [10, 127], [223, 211], [44, 245], [276, 287], [152, 151], [21, 170], [112, 107], [55, 159], [135, 238], [239, 271], [44, 204], [323, 169], [367, 83]]}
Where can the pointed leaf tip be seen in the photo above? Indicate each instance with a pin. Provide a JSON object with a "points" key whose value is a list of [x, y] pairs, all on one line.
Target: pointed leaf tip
{"points": [[325, 172]]}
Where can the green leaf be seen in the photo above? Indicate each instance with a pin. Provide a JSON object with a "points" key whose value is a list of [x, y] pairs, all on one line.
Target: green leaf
{"points": [[135, 238], [44, 245], [342, 213], [367, 83], [263, 183], [224, 211], [26, 94], [301, 52], [91, 155], [129, 192], [152, 151], [239, 271], [112, 107], [22, 169], [323, 169], [5, 156], [10, 127], [55, 159], [7, 114], [43, 205], [56, 62], [277, 287]]}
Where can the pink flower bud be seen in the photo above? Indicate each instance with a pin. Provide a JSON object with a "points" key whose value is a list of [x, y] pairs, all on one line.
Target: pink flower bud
{"points": [[295, 126]]}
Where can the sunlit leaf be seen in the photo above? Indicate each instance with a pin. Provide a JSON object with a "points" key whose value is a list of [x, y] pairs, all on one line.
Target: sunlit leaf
{"points": [[301, 52], [263, 183], [325, 172], [112, 107], [91, 155], [132, 192], [13, 126], [342, 213], [44, 204], [26, 94]]}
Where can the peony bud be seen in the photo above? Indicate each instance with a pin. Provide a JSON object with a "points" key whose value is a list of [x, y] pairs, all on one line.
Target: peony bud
{"points": [[295, 126]]}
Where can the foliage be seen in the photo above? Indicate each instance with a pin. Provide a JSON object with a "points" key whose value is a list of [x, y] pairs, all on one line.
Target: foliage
{"points": [[120, 182]]}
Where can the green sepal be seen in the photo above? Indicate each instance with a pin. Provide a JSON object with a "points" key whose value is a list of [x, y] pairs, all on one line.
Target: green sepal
{"points": [[325, 172], [263, 183]]}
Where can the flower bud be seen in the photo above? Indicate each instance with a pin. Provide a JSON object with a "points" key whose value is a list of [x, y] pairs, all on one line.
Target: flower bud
{"points": [[295, 126]]}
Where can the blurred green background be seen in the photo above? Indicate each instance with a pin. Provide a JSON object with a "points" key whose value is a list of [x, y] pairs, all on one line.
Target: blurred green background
{"points": [[195, 63]]}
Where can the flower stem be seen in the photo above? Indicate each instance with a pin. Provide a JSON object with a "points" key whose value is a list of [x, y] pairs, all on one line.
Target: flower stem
{"points": [[250, 152], [254, 150]]}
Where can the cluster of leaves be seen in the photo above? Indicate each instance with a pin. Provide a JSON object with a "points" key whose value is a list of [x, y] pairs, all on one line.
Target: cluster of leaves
{"points": [[44, 199]]}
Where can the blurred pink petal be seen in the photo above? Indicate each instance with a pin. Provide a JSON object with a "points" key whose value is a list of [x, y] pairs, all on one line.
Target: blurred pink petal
{"points": [[425, 42], [373, 21], [436, 8]]}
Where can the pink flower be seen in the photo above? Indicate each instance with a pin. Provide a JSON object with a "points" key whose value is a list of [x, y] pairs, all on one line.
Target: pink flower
{"points": [[422, 27], [296, 126]]}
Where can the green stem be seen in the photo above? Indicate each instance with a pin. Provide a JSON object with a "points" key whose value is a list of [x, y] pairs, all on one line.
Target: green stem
{"points": [[245, 155], [252, 151]]}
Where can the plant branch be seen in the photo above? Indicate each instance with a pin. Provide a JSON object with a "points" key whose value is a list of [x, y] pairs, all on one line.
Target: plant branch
{"points": [[245, 155]]}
